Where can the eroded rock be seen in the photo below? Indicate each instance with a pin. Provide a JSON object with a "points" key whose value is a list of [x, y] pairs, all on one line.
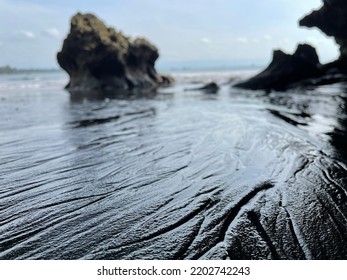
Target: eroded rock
{"points": [[303, 68], [286, 70], [99, 57], [331, 18]]}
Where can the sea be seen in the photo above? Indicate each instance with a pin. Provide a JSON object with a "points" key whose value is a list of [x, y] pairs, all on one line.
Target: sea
{"points": [[176, 173]]}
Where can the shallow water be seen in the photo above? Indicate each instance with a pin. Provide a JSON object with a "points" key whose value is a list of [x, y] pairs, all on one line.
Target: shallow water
{"points": [[172, 175]]}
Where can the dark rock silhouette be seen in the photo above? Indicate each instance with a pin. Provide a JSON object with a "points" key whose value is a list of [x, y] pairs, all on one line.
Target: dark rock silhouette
{"points": [[303, 68], [331, 18], [285, 70], [208, 88], [99, 57]]}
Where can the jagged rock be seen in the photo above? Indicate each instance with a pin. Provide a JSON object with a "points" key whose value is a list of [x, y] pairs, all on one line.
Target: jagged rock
{"points": [[331, 18], [285, 70], [99, 57]]}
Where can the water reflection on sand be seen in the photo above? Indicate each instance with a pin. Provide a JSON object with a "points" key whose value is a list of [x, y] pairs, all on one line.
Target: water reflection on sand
{"points": [[173, 174]]}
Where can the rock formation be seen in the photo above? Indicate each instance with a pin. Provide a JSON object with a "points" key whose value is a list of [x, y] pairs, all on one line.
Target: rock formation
{"points": [[285, 69], [99, 57], [211, 87], [303, 67], [331, 18]]}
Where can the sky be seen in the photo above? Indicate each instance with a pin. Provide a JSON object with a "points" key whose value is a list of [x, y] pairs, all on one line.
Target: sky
{"points": [[188, 33]]}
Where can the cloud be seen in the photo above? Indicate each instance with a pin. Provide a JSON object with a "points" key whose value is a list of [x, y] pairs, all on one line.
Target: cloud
{"points": [[52, 32], [27, 34], [243, 40], [205, 40], [267, 37]]}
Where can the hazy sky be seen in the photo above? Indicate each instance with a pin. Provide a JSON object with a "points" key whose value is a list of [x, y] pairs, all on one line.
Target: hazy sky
{"points": [[205, 32]]}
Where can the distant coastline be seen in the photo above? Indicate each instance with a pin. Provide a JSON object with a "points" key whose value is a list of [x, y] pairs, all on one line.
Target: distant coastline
{"points": [[208, 68], [8, 70], [11, 70]]}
